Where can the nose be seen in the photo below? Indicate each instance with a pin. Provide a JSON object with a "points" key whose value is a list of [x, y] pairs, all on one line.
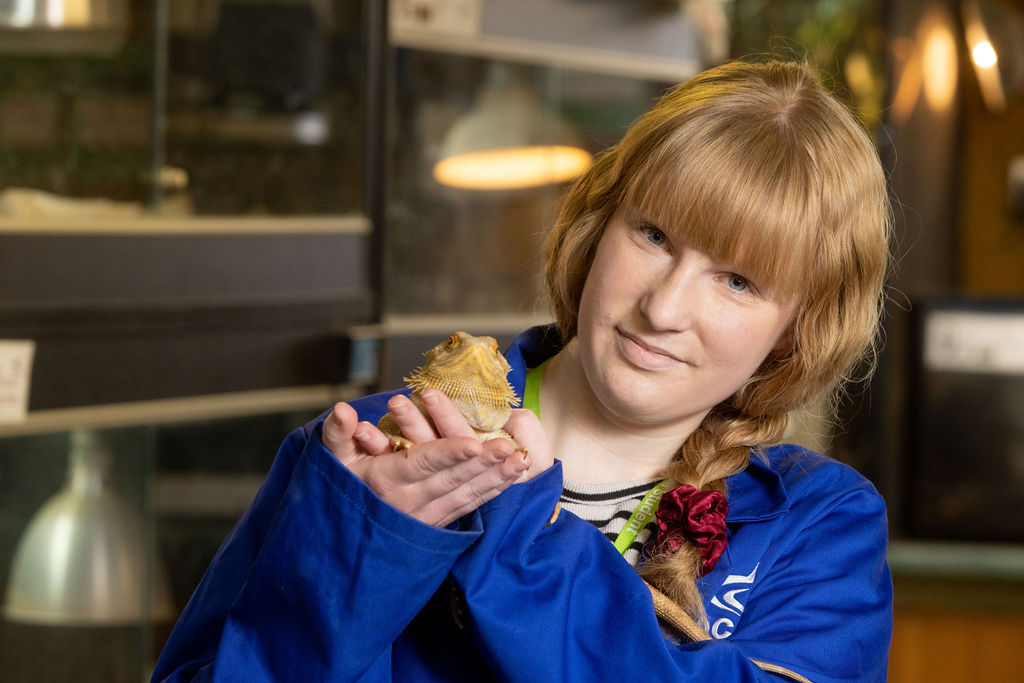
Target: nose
{"points": [[671, 301]]}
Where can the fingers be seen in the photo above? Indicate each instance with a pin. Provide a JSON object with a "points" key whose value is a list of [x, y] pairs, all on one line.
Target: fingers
{"points": [[444, 465], [441, 480], [338, 430], [456, 459], [509, 465], [527, 430], [347, 438], [414, 425], [447, 418], [372, 440], [514, 466], [438, 479]]}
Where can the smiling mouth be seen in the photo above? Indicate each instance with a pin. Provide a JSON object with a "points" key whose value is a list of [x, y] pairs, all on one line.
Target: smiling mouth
{"points": [[650, 349]]}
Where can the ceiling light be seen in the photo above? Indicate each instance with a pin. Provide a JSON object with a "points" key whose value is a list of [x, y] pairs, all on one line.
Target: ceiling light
{"points": [[994, 33], [509, 140], [984, 55], [62, 26]]}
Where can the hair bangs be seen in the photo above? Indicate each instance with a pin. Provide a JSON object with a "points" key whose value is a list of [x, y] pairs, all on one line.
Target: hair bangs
{"points": [[753, 206]]}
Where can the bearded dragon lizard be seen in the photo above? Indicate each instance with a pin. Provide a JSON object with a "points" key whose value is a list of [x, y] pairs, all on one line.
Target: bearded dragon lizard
{"points": [[472, 372]]}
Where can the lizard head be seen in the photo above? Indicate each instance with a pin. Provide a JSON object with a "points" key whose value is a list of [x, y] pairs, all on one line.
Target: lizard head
{"points": [[472, 372]]}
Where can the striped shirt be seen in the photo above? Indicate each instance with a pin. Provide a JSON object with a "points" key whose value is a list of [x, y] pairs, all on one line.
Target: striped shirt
{"points": [[608, 507]]}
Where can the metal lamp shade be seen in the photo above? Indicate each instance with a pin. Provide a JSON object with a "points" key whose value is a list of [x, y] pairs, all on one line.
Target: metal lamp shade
{"points": [[82, 559], [509, 140]]}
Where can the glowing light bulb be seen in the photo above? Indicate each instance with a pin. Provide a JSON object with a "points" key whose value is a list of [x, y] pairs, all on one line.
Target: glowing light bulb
{"points": [[512, 168], [984, 55], [938, 63]]}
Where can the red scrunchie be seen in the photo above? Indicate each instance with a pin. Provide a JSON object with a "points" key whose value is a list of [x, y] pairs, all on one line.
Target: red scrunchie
{"points": [[686, 514]]}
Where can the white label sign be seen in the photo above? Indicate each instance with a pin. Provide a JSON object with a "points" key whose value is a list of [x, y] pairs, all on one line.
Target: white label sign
{"points": [[458, 17], [15, 378], [975, 341]]}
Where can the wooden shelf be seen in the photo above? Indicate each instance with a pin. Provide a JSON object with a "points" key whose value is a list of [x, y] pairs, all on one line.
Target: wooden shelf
{"points": [[187, 225], [187, 409]]}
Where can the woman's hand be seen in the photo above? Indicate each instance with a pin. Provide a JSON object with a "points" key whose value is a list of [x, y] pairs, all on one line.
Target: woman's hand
{"points": [[445, 475], [526, 429]]}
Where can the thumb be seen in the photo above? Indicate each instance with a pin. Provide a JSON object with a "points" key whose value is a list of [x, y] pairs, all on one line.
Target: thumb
{"points": [[338, 431], [528, 432]]}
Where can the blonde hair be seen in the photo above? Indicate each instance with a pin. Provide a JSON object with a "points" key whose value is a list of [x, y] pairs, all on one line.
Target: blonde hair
{"points": [[756, 164]]}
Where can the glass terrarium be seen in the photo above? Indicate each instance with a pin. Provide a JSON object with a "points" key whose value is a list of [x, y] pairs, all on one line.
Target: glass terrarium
{"points": [[187, 249]]}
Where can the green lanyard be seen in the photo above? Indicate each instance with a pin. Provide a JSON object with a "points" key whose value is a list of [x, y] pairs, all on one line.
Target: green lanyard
{"points": [[644, 512], [531, 392]]}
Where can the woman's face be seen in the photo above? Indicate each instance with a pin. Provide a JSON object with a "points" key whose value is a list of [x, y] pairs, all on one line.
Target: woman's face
{"points": [[666, 332]]}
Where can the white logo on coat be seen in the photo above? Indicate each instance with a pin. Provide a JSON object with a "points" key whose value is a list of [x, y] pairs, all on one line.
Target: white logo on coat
{"points": [[731, 601]]}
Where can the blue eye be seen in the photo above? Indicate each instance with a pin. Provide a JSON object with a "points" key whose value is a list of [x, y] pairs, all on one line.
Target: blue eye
{"points": [[654, 235], [738, 283]]}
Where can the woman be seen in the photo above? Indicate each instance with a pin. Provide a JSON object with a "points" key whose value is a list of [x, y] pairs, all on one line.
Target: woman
{"points": [[718, 268]]}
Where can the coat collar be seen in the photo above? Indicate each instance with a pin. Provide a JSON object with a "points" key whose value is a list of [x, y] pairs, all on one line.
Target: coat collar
{"points": [[528, 350], [755, 494]]}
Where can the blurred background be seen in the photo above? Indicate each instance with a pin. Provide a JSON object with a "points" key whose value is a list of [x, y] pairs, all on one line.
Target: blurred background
{"points": [[218, 217]]}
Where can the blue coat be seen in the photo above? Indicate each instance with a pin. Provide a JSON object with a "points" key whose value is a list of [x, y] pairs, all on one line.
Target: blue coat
{"points": [[322, 581]]}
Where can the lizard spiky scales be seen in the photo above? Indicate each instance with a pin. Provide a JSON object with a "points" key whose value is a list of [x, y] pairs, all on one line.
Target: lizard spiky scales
{"points": [[472, 372]]}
